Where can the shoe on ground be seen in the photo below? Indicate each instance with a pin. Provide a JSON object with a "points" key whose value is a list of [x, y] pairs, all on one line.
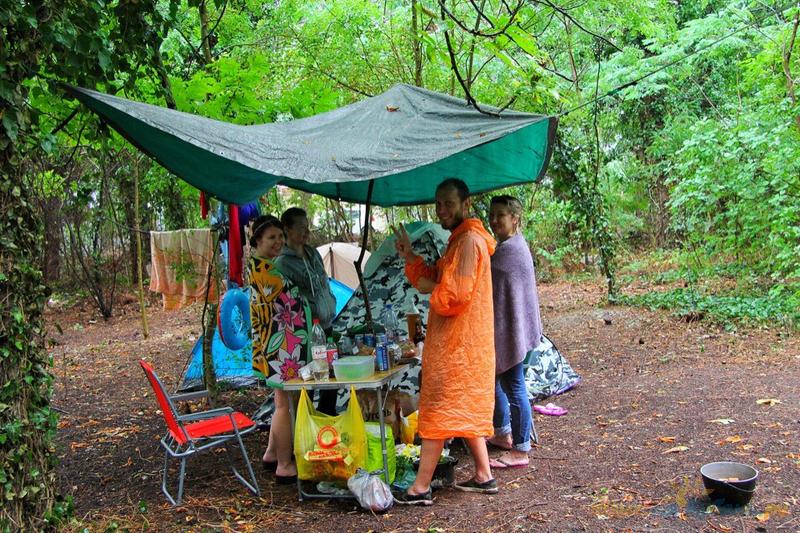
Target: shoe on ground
{"points": [[404, 498], [487, 487]]}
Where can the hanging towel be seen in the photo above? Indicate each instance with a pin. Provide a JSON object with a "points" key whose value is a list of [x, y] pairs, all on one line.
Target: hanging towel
{"points": [[203, 205], [234, 246], [181, 260]]}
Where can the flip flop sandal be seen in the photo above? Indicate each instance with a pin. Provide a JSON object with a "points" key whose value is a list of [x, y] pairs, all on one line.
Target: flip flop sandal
{"points": [[498, 463], [493, 445], [550, 409]]}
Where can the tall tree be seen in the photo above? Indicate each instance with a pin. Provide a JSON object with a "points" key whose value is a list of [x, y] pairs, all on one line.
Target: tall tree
{"points": [[78, 41]]}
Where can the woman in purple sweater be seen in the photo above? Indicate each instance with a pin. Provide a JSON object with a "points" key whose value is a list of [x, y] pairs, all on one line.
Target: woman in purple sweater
{"points": [[517, 330]]}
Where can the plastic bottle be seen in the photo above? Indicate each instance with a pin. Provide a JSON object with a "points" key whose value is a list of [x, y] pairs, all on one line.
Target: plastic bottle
{"points": [[319, 353], [413, 316], [332, 353], [390, 324], [394, 353]]}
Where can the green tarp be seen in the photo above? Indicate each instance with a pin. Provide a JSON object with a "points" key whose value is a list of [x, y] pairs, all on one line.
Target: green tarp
{"points": [[407, 139]]}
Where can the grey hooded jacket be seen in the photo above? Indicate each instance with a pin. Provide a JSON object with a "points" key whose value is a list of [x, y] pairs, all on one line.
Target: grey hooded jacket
{"points": [[309, 275]]}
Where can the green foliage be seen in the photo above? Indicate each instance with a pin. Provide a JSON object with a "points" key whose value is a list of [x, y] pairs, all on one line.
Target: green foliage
{"points": [[82, 42], [27, 424], [701, 157], [778, 308]]}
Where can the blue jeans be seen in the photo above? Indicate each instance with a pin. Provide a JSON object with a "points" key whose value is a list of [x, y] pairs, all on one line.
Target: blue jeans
{"points": [[512, 410]]}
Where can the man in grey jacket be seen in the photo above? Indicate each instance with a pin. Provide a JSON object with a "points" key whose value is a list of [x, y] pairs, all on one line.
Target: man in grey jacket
{"points": [[303, 266]]}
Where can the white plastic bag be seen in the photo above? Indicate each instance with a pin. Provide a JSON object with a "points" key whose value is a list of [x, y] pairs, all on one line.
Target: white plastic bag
{"points": [[371, 491]]}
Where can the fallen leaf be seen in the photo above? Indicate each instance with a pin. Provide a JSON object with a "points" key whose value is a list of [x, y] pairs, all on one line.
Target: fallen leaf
{"points": [[712, 509], [391, 108], [768, 401], [763, 460], [762, 517], [730, 440], [723, 421], [779, 509], [676, 449], [666, 439]]}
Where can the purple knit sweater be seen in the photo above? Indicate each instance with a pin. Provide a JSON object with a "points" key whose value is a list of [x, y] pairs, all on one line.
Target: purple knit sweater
{"points": [[517, 323]]}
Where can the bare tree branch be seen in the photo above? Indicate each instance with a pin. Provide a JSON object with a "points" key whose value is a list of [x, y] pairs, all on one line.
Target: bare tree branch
{"points": [[566, 14], [787, 57], [481, 14], [454, 66], [66, 121], [319, 69]]}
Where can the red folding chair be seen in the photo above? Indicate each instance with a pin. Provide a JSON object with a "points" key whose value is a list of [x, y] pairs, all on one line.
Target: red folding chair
{"points": [[196, 432]]}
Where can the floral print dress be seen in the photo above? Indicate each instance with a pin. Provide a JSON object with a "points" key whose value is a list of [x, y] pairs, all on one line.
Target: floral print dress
{"points": [[281, 321]]}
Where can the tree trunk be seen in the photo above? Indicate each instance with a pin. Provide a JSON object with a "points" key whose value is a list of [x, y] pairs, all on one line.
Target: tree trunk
{"points": [[27, 424], [175, 215], [138, 237], [163, 76], [787, 58], [415, 42], [127, 189], [53, 237], [205, 44]]}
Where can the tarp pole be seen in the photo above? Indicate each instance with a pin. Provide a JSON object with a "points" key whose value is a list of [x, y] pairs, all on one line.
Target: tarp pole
{"points": [[138, 232], [358, 262], [209, 374]]}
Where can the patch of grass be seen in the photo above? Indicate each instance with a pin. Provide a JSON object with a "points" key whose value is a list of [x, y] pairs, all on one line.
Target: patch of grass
{"points": [[780, 306]]}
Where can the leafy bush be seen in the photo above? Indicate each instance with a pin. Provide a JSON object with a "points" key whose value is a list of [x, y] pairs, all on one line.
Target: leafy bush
{"points": [[779, 307]]}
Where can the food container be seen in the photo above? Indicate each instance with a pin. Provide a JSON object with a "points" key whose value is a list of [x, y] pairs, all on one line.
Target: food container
{"points": [[354, 367], [732, 483], [412, 319], [444, 475]]}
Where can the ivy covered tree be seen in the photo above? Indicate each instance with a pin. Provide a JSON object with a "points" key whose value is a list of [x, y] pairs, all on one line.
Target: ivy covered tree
{"points": [[42, 44]]}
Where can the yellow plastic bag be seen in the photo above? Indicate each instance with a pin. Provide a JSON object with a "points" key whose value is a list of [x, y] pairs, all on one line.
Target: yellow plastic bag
{"points": [[329, 448], [408, 427]]}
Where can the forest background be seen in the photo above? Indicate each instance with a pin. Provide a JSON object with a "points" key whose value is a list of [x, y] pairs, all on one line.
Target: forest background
{"points": [[677, 161]]}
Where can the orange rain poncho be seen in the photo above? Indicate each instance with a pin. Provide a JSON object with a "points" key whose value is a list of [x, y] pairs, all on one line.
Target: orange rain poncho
{"points": [[457, 390]]}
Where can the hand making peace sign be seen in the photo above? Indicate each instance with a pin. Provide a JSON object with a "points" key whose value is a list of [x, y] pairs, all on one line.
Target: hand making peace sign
{"points": [[403, 243]]}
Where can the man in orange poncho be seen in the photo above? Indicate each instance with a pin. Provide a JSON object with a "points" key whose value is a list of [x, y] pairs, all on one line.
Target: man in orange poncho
{"points": [[457, 392]]}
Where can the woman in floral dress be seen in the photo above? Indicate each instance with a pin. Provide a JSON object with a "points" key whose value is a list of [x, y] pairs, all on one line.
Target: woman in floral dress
{"points": [[280, 321]]}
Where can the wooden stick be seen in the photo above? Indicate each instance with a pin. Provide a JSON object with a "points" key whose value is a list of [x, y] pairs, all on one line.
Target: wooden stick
{"points": [[145, 332], [360, 260]]}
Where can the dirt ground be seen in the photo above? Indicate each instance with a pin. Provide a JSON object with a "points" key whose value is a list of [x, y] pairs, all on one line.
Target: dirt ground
{"points": [[659, 398]]}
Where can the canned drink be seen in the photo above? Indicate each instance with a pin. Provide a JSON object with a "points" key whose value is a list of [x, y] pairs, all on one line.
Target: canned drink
{"points": [[369, 339], [381, 338], [381, 358]]}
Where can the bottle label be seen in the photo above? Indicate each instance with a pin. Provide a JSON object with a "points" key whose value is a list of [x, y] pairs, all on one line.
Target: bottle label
{"points": [[319, 352], [332, 355]]}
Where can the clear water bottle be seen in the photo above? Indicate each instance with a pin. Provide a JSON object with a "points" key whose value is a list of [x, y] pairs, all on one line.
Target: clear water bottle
{"points": [[319, 353], [394, 353], [332, 353], [389, 321]]}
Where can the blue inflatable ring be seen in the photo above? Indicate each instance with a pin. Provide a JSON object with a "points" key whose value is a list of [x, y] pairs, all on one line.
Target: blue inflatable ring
{"points": [[234, 319]]}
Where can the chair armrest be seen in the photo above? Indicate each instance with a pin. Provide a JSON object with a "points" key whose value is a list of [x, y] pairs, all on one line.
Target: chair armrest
{"points": [[206, 414]]}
